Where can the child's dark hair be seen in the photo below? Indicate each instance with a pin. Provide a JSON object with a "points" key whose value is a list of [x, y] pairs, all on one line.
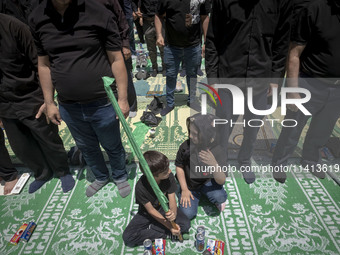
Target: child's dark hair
{"points": [[207, 134], [157, 161]]}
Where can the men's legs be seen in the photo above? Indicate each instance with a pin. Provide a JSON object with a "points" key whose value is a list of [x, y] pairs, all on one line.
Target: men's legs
{"points": [[140, 31], [7, 170], [289, 136], [250, 135], [52, 148], [85, 137], [191, 61], [321, 127], [172, 59], [131, 36], [28, 150], [150, 38], [50, 144], [106, 127]]}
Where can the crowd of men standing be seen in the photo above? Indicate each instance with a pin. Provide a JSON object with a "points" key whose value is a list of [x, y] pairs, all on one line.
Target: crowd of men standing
{"points": [[68, 45]]}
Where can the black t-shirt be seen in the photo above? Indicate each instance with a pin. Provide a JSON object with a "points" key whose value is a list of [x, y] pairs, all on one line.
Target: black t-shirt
{"points": [[20, 92], [148, 7], [318, 27], [187, 158], [76, 45], [177, 33], [145, 194]]}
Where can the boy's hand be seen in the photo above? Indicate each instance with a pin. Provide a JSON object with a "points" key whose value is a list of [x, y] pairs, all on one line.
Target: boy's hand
{"points": [[185, 198], [170, 216], [207, 158], [176, 232]]}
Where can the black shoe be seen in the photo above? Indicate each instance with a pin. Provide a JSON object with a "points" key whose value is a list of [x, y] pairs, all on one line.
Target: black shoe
{"points": [[166, 110], [280, 176], [199, 72], [154, 73], [248, 176], [164, 72], [183, 73]]}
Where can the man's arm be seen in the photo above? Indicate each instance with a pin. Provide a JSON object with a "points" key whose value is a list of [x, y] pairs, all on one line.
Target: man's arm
{"points": [[119, 72], [159, 27], [293, 69], [48, 89], [205, 24]]}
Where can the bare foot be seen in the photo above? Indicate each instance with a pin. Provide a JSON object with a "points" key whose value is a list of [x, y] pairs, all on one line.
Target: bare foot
{"points": [[10, 185]]}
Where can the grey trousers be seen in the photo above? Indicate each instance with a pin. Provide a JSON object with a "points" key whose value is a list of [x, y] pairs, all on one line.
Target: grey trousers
{"points": [[150, 38]]}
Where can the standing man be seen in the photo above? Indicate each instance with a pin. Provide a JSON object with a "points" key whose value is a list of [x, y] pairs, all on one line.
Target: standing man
{"points": [[247, 41], [78, 43], [146, 12], [34, 140], [314, 60], [183, 22]]}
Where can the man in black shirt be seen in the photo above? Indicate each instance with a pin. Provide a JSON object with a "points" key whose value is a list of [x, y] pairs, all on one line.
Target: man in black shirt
{"points": [[247, 41], [34, 141], [151, 221], [147, 11], [183, 22], [78, 43], [314, 57]]}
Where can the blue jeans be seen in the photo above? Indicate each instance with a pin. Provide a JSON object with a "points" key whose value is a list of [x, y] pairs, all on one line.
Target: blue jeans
{"points": [[215, 193], [173, 56], [92, 124], [131, 36]]}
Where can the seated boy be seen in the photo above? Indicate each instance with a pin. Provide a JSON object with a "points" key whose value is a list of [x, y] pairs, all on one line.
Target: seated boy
{"points": [[151, 221], [200, 150]]}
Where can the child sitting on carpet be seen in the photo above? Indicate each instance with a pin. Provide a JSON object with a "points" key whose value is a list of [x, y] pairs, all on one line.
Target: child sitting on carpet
{"points": [[195, 159], [151, 221]]}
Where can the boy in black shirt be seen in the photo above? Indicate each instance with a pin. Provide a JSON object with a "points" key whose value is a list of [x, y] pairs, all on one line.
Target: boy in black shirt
{"points": [[151, 221], [202, 151]]}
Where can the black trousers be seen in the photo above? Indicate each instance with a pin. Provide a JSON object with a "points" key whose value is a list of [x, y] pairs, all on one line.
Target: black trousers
{"points": [[249, 132], [38, 145], [7, 170], [325, 109], [144, 226]]}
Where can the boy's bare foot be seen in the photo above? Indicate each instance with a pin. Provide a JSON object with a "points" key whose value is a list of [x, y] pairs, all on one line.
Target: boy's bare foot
{"points": [[10, 185]]}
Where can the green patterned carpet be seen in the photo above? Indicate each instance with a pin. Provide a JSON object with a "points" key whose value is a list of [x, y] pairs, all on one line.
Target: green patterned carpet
{"points": [[300, 217]]}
